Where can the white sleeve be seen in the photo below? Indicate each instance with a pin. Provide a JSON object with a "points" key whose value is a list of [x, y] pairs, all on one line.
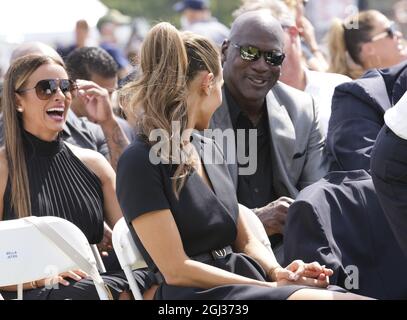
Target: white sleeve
{"points": [[396, 117]]}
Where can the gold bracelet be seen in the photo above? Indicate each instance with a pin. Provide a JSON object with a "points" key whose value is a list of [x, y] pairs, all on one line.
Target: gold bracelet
{"points": [[34, 284]]}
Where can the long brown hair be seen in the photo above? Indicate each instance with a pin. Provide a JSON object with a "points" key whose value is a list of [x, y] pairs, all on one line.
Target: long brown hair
{"points": [[345, 39], [169, 61], [15, 79]]}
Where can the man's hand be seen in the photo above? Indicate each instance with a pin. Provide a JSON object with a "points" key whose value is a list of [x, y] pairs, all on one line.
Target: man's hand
{"points": [[273, 216], [106, 244], [96, 100]]}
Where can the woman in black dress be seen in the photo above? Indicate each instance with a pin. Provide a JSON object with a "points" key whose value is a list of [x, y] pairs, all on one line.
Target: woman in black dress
{"points": [[176, 193], [43, 176]]}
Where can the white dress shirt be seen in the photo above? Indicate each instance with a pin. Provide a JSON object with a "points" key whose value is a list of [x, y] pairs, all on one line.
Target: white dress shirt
{"points": [[321, 86], [396, 118]]}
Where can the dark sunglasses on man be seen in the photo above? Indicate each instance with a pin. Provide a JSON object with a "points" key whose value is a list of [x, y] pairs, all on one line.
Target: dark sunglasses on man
{"points": [[45, 89], [250, 53], [390, 31]]}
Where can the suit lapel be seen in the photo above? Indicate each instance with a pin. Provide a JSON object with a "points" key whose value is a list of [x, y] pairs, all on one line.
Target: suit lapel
{"points": [[221, 120], [282, 130], [376, 89], [223, 188]]}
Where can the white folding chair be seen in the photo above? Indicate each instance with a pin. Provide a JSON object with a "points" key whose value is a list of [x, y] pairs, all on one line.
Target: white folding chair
{"points": [[128, 254], [256, 226], [35, 248]]}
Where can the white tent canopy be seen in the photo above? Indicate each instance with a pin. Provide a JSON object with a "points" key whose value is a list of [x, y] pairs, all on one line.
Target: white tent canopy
{"points": [[27, 20]]}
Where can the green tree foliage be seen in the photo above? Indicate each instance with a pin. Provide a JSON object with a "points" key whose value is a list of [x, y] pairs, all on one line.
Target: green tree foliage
{"points": [[161, 10]]}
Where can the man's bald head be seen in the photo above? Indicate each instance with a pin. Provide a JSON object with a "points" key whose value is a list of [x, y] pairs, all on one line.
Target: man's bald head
{"points": [[249, 80], [37, 48], [257, 21]]}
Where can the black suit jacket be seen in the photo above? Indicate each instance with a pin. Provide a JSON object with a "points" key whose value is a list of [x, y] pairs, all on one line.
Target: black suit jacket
{"points": [[358, 108], [338, 221]]}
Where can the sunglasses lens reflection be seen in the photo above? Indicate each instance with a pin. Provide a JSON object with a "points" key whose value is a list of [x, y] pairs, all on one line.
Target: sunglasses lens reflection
{"points": [[253, 54], [45, 89]]}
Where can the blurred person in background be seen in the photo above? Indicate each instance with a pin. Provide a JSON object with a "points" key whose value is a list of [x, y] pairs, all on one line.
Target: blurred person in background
{"points": [[196, 17], [95, 73], [107, 27], [139, 28], [364, 41], [312, 53], [81, 39]]}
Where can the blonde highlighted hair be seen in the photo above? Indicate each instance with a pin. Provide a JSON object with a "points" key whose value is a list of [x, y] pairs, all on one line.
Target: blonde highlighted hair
{"points": [[345, 40], [169, 62]]}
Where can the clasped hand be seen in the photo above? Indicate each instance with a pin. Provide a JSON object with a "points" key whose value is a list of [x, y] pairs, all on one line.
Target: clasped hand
{"points": [[301, 273]]}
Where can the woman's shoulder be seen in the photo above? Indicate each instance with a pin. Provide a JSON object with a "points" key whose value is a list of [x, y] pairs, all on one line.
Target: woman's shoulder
{"points": [[85, 155], [95, 161], [138, 151]]}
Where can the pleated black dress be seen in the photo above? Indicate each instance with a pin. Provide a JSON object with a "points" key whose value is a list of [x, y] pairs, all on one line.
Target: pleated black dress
{"points": [[63, 186], [206, 219]]}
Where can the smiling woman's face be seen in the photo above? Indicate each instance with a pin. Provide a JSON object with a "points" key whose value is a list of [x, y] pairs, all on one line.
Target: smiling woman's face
{"points": [[387, 49], [44, 118]]}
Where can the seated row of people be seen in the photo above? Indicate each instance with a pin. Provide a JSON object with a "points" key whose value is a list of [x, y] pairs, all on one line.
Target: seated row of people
{"points": [[290, 157]]}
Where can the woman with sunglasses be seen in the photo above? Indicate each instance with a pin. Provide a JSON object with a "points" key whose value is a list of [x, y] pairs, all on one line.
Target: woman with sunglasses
{"points": [[43, 176], [176, 192], [364, 41]]}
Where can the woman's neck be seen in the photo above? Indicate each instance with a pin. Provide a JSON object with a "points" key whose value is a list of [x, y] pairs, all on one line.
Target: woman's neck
{"points": [[43, 135]]}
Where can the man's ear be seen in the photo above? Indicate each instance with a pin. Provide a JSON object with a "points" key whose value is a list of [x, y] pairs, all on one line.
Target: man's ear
{"points": [[224, 50], [207, 83]]}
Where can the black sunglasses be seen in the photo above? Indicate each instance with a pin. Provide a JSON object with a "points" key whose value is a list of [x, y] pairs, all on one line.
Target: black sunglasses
{"points": [[45, 89], [250, 53], [388, 32]]}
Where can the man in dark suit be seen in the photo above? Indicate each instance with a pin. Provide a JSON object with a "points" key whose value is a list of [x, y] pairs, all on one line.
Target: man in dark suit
{"points": [[389, 168], [339, 222], [288, 146], [358, 108]]}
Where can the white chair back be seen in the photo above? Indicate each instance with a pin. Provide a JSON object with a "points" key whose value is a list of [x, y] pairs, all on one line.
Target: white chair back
{"points": [[130, 257], [35, 248], [128, 254]]}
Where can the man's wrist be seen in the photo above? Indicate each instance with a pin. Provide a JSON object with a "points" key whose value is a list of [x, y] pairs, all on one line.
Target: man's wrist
{"points": [[109, 124]]}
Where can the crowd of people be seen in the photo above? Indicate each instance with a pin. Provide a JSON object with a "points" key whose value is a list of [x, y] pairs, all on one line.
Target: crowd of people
{"points": [[209, 122]]}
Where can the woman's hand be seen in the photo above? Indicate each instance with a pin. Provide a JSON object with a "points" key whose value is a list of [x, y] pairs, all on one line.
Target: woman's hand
{"points": [[106, 244], [76, 275], [300, 273]]}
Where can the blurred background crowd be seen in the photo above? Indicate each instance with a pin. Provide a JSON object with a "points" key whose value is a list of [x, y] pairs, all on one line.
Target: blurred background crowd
{"points": [[126, 22]]}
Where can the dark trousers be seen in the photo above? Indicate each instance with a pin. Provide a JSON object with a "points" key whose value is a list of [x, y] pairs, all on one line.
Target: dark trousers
{"points": [[389, 174]]}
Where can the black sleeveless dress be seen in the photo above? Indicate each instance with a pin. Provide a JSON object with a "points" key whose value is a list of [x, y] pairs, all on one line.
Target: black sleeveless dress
{"points": [[62, 186], [206, 219]]}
